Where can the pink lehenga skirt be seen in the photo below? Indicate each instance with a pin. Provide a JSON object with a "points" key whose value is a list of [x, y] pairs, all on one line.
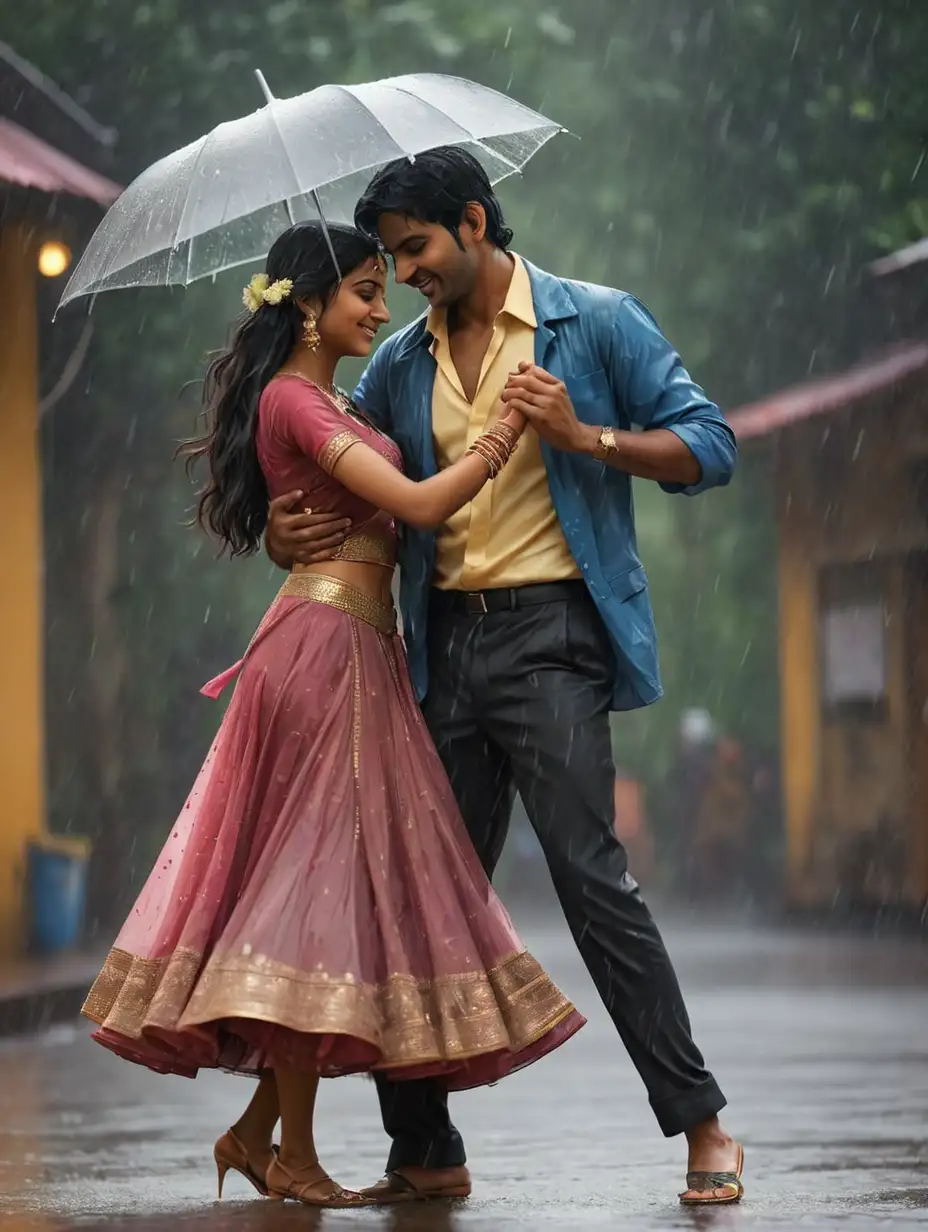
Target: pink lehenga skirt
{"points": [[318, 903]]}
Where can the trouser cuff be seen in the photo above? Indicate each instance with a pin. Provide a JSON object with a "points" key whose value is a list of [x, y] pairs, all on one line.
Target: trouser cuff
{"points": [[686, 1109], [442, 1151]]}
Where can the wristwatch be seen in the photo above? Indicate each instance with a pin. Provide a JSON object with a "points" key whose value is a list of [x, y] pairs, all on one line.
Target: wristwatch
{"points": [[607, 445]]}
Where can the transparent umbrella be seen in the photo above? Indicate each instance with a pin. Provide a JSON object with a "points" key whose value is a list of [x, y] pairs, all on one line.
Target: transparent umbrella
{"points": [[221, 201]]}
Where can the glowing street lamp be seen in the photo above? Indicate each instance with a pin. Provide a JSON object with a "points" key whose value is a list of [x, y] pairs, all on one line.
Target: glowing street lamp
{"points": [[54, 258]]}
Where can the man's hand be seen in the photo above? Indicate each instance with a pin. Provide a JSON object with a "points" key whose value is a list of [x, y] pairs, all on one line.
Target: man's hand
{"points": [[296, 534], [545, 403]]}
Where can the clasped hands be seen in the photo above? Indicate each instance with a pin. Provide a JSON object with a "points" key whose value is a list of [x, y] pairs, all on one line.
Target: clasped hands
{"points": [[546, 404]]}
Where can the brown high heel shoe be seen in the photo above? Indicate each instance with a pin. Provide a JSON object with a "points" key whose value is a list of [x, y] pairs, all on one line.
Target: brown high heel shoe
{"points": [[230, 1152], [315, 1189]]}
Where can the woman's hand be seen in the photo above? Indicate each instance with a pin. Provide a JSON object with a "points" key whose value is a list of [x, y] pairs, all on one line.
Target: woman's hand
{"points": [[547, 406], [515, 420]]}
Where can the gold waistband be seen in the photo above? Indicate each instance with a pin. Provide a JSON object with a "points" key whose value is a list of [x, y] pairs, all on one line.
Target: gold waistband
{"points": [[368, 549], [347, 598]]}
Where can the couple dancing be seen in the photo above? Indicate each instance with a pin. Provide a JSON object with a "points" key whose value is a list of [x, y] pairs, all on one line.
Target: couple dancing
{"points": [[322, 905]]}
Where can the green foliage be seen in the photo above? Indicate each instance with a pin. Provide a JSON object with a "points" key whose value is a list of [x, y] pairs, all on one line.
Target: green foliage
{"points": [[737, 163]]}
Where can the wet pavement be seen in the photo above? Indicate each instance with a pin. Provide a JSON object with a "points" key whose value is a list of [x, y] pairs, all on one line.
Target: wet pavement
{"points": [[821, 1043]]}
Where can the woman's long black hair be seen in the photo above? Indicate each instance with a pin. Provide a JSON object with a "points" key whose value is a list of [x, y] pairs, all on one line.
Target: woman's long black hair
{"points": [[233, 502]]}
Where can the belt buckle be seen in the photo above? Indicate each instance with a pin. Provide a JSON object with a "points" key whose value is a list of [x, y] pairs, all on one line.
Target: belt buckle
{"points": [[476, 603]]}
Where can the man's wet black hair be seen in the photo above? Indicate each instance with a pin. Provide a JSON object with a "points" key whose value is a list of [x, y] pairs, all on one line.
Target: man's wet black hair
{"points": [[436, 187]]}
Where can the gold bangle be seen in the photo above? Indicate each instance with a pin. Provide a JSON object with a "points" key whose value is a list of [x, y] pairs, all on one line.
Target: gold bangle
{"points": [[495, 447], [506, 431], [500, 446], [501, 452], [502, 441], [495, 455], [479, 450]]}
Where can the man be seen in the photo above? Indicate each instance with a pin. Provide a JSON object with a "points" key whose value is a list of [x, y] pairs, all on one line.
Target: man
{"points": [[527, 616]]}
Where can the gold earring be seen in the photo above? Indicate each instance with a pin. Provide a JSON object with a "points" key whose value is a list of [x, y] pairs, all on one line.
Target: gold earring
{"points": [[311, 332]]}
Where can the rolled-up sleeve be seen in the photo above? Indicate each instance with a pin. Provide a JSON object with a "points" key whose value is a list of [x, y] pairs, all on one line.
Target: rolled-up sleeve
{"points": [[648, 377]]}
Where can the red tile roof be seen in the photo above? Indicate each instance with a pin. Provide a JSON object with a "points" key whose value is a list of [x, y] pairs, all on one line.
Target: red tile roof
{"points": [[830, 393], [27, 160]]}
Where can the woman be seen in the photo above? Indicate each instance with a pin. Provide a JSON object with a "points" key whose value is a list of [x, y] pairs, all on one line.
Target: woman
{"points": [[317, 909]]}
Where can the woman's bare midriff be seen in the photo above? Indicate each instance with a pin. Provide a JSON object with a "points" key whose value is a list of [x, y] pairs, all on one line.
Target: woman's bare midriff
{"points": [[374, 580]]}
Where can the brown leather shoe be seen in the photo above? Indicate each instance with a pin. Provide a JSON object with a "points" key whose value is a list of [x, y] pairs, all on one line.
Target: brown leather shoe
{"points": [[416, 1184]]}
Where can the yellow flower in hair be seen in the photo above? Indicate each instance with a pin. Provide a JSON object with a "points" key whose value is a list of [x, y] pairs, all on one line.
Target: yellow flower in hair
{"points": [[253, 295], [278, 290], [262, 291]]}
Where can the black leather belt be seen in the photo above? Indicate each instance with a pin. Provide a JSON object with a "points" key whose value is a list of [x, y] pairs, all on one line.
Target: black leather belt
{"points": [[510, 599]]}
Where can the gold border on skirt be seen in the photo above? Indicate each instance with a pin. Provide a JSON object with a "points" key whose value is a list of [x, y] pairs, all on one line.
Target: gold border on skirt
{"points": [[410, 1021]]}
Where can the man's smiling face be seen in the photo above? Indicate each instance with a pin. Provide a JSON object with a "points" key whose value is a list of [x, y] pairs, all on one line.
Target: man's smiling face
{"points": [[427, 256]]}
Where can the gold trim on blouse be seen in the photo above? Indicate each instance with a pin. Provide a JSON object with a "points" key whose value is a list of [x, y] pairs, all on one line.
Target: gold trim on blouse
{"points": [[368, 549], [334, 448]]}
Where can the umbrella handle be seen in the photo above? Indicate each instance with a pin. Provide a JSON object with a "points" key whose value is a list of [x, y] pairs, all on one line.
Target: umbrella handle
{"points": [[325, 232]]}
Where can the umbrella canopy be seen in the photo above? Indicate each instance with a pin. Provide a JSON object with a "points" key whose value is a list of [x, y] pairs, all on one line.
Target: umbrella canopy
{"points": [[221, 201]]}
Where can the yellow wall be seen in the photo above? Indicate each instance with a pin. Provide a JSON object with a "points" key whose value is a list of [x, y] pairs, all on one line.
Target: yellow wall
{"points": [[22, 767], [846, 494], [798, 694]]}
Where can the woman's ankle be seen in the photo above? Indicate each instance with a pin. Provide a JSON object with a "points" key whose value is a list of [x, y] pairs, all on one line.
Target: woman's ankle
{"points": [[298, 1157], [252, 1137]]}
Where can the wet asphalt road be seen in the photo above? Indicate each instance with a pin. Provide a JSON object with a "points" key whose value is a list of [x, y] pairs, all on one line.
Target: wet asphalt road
{"points": [[821, 1043]]}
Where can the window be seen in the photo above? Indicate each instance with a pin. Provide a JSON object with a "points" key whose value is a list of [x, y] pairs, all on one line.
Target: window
{"points": [[853, 640]]}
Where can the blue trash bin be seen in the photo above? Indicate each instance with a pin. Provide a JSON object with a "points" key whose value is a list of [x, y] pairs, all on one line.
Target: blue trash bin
{"points": [[56, 883]]}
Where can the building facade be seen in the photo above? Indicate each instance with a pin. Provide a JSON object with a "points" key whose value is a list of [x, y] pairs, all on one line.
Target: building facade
{"points": [[851, 458], [49, 200]]}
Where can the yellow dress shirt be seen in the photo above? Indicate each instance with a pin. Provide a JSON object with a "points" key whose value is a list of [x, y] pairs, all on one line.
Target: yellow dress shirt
{"points": [[509, 534]]}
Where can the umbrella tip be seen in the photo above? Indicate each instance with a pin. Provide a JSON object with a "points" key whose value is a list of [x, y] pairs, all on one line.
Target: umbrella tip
{"points": [[265, 88]]}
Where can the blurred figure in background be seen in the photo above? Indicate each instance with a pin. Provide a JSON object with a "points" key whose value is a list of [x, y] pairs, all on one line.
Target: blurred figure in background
{"points": [[631, 825], [718, 847], [683, 791], [765, 848]]}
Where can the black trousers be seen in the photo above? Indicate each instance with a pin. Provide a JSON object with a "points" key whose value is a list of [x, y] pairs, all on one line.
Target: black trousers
{"points": [[519, 700]]}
